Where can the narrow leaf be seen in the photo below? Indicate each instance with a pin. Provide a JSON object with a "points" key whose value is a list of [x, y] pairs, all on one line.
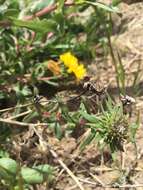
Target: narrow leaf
{"points": [[42, 26], [87, 141], [103, 6]]}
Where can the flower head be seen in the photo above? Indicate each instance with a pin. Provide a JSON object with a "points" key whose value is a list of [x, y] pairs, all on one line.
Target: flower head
{"points": [[71, 62], [80, 72]]}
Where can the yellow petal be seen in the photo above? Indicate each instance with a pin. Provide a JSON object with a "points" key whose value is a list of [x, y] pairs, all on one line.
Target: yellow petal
{"points": [[80, 72], [68, 58], [71, 62]]}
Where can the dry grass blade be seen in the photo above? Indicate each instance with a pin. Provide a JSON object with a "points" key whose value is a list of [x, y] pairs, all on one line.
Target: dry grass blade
{"points": [[21, 106], [19, 115], [111, 186], [12, 122], [96, 179], [54, 154], [11, 108]]}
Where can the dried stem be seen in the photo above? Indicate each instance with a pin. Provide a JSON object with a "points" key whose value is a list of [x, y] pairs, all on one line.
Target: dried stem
{"points": [[54, 154], [46, 10], [19, 115], [22, 124], [110, 186]]}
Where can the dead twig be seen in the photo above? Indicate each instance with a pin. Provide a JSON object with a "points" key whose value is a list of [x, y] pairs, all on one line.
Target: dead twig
{"points": [[96, 179], [19, 115], [46, 10], [23, 106], [110, 186], [14, 107], [22, 124], [106, 169], [54, 154]]}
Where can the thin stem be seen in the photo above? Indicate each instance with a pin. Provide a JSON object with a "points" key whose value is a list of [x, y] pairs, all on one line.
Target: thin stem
{"points": [[110, 186], [46, 10], [54, 154], [19, 115], [112, 55], [12, 122]]}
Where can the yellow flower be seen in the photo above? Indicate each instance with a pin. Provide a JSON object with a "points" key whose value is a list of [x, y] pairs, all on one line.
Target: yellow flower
{"points": [[71, 62], [80, 72], [68, 59]]}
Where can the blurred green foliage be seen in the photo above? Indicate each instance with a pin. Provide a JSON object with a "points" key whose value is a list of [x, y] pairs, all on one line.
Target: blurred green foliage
{"points": [[29, 36]]}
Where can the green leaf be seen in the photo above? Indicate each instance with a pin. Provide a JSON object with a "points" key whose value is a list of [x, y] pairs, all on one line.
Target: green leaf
{"points": [[4, 174], [25, 91], [89, 117], [116, 2], [44, 168], [10, 166], [11, 13], [58, 131], [39, 71], [60, 5], [109, 104], [114, 156], [2, 96], [87, 141], [42, 26], [32, 176], [79, 1], [51, 83], [103, 6], [82, 107], [3, 153]]}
